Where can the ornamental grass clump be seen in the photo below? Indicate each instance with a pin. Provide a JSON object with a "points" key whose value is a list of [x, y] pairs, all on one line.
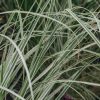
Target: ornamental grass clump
{"points": [[50, 50]]}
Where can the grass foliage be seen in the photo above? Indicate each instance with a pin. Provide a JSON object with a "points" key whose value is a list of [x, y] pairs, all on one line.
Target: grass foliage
{"points": [[50, 49]]}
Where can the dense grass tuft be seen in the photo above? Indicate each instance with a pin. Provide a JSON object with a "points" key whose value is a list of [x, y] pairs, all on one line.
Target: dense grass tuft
{"points": [[50, 50]]}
